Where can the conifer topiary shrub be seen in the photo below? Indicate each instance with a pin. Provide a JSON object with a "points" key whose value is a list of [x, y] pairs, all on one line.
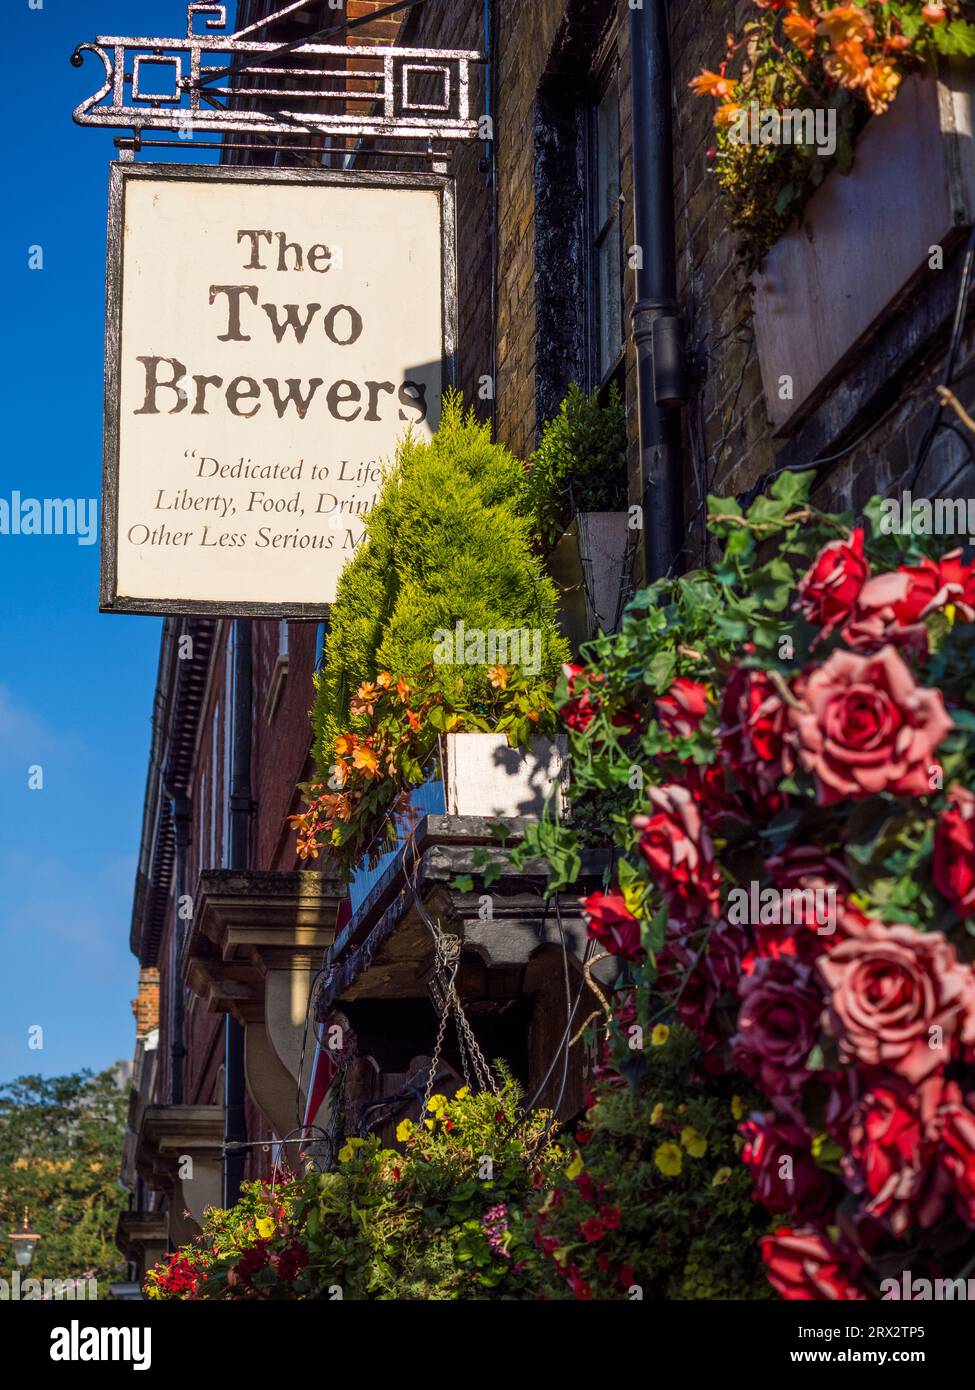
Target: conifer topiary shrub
{"points": [[580, 464], [448, 541]]}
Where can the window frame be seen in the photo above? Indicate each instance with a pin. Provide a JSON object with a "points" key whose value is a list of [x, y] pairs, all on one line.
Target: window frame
{"points": [[606, 76]]}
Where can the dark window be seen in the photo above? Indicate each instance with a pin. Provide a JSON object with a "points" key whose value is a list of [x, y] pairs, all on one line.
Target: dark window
{"points": [[578, 229], [605, 249]]}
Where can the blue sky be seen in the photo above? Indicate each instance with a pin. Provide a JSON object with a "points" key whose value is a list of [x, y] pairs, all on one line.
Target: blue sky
{"points": [[75, 686]]}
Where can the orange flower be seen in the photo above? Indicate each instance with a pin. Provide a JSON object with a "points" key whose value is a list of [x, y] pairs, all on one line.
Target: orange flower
{"points": [[846, 24], [384, 680], [364, 700], [344, 744], [848, 64], [402, 689], [366, 761], [710, 84], [498, 676], [800, 31], [413, 721], [727, 113]]}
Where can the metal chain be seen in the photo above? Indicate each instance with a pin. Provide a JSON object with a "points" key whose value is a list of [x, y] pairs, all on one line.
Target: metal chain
{"points": [[448, 961]]}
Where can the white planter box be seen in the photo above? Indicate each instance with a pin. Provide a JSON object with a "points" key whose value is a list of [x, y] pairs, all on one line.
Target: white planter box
{"points": [[484, 777], [589, 566], [866, 238]]}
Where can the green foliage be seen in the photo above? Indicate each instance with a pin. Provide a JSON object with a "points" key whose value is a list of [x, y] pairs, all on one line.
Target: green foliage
{"points": [[621, 1216], [580, 464], [447, 541], [60, 1149], [441, 1220]]}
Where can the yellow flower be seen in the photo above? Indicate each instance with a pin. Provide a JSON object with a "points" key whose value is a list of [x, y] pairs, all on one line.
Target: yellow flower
{"points": [[430, 1124], [463, 1093], [657, 1114], [575, 1168], [660, 1035], [345, 1154], [403, 1131], [737, 1107], [669, 1160], [721, 1177], [265, 1227], [694, 1142], [437, 1105]]}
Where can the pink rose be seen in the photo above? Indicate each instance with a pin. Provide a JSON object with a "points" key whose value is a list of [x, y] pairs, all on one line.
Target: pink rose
{"points": [[799, 1186], [829, 589], [778, 1023], [865, 726], [676, 845], [898, 997], [804, 1265], [953, 864]]}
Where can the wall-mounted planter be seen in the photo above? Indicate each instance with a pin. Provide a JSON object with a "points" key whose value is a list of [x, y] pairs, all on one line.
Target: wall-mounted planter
{"points": [[866, 240], [485, 777], [588, 564]]}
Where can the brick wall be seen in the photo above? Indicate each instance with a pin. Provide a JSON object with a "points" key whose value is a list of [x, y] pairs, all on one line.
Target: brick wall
{"points": [[145, 1006]]}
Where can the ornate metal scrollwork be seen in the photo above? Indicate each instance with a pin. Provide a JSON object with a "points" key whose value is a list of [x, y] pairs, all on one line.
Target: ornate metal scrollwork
{"points": [[187, 84]]}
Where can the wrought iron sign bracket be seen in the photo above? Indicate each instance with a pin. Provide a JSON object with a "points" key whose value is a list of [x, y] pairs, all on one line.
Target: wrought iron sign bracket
{"points": [[183, 85]]}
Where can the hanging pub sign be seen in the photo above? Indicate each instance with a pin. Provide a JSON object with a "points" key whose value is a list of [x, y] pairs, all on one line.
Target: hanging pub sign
{"points": [[271, 335]]}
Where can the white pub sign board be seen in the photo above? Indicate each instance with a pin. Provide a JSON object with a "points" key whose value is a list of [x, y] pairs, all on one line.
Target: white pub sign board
{"points": [[271, 335]]}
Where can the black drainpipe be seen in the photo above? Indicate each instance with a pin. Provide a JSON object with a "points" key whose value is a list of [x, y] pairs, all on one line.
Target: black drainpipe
{"points": [[657, 330], [182, 817], [241, 810]]}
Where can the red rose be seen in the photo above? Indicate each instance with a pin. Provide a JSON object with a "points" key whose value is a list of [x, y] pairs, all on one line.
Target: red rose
{"points": [[830, 587], [875, 622], [579, 711], [958, 1136], [778, 1023], [612, 924], [798, 1186], [890, 1145], [805, 1265], [953, 863], [932, 585], [752, 737], [865, 726], [677, 848], [898, 998], [683, 707], [816, 883]]}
